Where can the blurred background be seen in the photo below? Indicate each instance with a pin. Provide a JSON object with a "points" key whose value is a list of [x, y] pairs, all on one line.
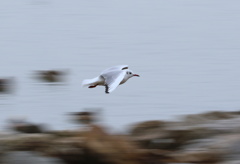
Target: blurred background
{"points": [[186, 52]]}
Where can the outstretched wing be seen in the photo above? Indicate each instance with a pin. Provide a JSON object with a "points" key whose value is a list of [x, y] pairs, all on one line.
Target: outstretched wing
{"points": [[118, 67], [113, 79]]}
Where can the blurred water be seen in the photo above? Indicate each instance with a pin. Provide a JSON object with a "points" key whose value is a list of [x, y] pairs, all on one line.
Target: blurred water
{"points": [[187, 53]]}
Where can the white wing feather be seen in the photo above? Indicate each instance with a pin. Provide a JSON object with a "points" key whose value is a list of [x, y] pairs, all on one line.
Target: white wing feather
{"points": [[88, 82], [113, 79], [118, 67]]}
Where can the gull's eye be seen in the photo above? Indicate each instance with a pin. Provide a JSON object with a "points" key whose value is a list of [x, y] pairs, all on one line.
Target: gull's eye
{"points": [[130, 73]]}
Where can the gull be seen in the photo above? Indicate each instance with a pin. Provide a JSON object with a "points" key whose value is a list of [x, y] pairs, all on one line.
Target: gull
{"points": [[111, 78]]}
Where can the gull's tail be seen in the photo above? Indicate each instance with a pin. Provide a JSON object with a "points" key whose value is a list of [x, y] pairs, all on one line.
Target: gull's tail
{"points": [[89, 82]]}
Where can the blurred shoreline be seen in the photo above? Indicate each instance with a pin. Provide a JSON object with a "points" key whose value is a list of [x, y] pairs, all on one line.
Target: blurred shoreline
{"points": [[207, 138]]}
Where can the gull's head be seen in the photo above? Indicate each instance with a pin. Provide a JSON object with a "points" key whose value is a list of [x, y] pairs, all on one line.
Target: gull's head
{"points": [[130, 74]]}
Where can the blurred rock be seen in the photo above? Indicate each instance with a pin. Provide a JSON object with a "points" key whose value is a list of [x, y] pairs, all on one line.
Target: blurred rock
{"points": [[97, 146], [203, 157], [92, 146], [230, 162], [212, 150], [210, 116], [146, 127], [51, 76], [21, 125], [6, 85], [84, 117], [25, 142], [172, 135], [28, 157]]}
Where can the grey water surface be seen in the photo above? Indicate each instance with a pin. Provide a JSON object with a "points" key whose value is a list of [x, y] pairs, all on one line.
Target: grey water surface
{"points": [[186, 51]]}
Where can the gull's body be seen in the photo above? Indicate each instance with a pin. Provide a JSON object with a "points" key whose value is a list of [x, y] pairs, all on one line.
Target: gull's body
{"points": [[110, 78]]}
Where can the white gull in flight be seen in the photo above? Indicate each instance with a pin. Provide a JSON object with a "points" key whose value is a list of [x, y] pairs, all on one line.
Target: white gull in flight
{"points": [[111, 78]]}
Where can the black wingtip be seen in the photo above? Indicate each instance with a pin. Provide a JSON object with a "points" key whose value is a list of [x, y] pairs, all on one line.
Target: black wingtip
{"points": [[106, 89], [124, 68]]}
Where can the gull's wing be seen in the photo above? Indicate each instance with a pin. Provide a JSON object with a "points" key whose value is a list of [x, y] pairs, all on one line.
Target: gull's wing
{"points": [[113, 79], [118, 67]]}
